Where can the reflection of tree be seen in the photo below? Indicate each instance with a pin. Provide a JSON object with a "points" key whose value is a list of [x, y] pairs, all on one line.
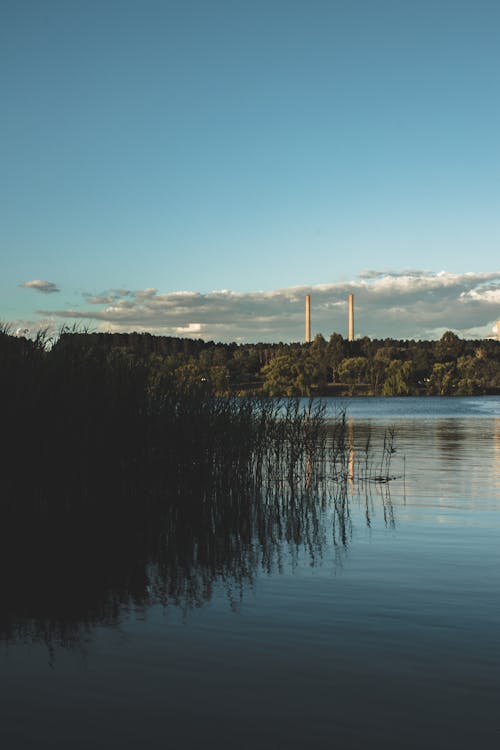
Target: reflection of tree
{"points": [[450, 435]]}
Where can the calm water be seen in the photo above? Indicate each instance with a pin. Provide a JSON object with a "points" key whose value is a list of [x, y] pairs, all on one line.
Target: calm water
{"points": [[377, 624]]}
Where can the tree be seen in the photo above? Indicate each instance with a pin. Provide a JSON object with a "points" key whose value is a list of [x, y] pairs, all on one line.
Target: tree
{"points": [[422, 362], [449, 347], [335, 353], [442, 381], [398, 379], [379, 364], [317, 356], [288, 375], [353, 370]]}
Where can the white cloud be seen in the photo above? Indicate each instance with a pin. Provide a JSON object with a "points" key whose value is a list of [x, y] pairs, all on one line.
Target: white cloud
{"points": [[487, 295], [191, 328], [47, 287], [49, 326], [409, 304]]}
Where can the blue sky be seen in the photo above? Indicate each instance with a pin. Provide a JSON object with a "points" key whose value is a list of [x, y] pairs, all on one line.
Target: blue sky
{"points": [[268, 149]]}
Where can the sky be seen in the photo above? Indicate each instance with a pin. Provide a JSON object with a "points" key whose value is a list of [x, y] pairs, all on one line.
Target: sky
{"points": [[196, 167]]}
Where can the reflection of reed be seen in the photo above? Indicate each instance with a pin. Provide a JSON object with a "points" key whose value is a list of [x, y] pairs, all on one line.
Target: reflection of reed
{"points": [[367, 467], [61, 576], [383, 496]]}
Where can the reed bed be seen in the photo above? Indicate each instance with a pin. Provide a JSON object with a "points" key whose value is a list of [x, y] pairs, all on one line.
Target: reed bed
{"points": [[82, 423], [121, 486]]}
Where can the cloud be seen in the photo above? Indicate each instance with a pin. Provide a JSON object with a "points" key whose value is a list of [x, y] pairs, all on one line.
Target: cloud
{"points": [[189, 329], [107, 298], [403, 305], [47, 287], [30, 327], [373, 274]]}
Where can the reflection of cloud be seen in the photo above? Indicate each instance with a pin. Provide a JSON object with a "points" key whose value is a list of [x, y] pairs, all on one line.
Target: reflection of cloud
{"points": [[47, 287], [409, 304]]}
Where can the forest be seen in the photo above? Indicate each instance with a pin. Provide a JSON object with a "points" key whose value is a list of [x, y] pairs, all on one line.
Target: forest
{"points": [[376, 367]]}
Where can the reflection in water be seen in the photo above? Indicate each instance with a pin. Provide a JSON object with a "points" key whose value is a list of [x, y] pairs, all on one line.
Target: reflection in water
{"points": [[352, 453], [450, 437], [370, 463], [63, 575], [356, 619], [497, 453]]}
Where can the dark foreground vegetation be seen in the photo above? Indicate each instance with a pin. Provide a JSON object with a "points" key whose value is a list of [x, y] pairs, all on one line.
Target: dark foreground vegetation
{"points": [[86, 421], [124, 483], [83, 420]]}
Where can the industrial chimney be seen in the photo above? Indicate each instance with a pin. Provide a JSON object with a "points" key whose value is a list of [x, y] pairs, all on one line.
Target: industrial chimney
{"points": [[498, 330], [351, 317], [308, 318]]}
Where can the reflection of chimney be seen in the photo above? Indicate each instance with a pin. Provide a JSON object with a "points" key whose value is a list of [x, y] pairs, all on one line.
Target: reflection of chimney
{"points": [[351, 317], [350, 435], [308, 318]]}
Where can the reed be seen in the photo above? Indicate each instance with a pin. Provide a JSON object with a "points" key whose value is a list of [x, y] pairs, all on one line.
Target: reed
{"points": [[84, 422], [122, 485], [80, 420]]}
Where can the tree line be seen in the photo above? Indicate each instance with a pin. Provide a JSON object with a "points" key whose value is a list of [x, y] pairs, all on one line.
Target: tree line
{"points": [[382, 367]]}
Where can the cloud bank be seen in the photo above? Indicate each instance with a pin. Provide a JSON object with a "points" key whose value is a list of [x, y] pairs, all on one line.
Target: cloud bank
{"points": [[47, 287], [409, 304]]}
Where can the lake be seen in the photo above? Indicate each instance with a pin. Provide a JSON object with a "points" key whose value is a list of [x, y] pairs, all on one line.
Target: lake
{"points": [[372, 619]]}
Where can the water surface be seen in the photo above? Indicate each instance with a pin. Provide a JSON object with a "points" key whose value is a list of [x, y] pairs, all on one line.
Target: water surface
{"points": [[366, 620]]}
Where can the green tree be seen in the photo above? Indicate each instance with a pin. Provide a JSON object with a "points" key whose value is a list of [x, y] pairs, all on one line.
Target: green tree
{"points": [[335, 353], [422, 362], [475, 374], [449, 347], [219, 378], [317, 356], [378, 365], [353, 370], [443, 381], [398, 379], [288, 375]]}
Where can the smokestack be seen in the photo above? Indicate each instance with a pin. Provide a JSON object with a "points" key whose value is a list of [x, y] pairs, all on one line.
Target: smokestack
{"points": [[498, 330], [351, 317], [308, 318]]}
